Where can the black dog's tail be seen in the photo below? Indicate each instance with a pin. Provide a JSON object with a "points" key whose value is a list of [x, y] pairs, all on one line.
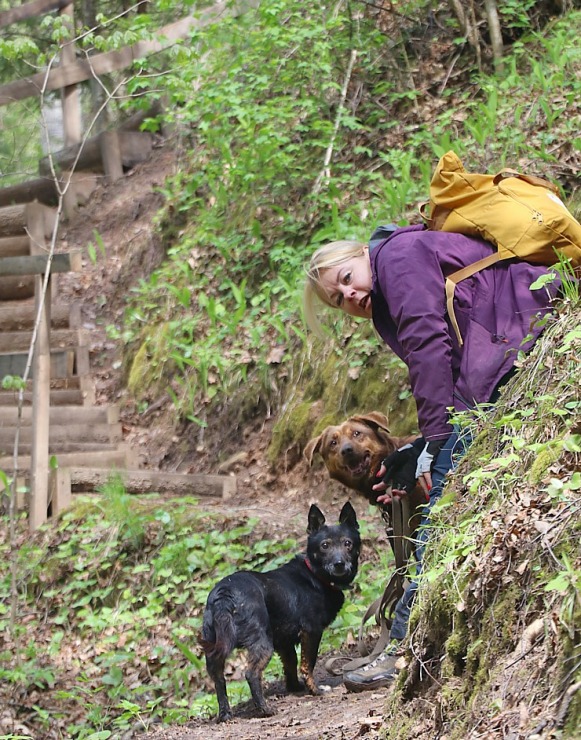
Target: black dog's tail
{"points": [[218, 635]]}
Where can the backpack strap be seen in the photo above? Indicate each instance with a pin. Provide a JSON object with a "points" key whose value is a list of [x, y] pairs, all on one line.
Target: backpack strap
{"points": [[456, 277], [531, 179], [433, 216]]}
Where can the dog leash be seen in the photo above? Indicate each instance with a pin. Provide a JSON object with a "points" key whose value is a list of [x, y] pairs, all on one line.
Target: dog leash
{"points": [[383, 607]]}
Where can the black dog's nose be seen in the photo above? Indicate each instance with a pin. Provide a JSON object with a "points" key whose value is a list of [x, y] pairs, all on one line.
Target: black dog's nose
{"points": [[339, 566]]}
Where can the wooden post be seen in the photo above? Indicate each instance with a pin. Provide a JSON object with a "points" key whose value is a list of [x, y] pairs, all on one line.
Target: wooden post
{"points": [[111, 155], [71, 98], [40, 380], [69, 191], [60, 490]]}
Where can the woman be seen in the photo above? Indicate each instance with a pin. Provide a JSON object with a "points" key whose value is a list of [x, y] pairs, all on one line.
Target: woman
{"points": [[398, 283]]}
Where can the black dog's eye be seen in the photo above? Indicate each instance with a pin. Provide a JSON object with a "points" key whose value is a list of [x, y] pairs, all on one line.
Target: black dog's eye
{"points": [[348, 544], [324, 545]]}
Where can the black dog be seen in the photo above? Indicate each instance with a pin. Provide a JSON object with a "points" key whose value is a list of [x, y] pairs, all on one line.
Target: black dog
{"points": [[276, 610]]}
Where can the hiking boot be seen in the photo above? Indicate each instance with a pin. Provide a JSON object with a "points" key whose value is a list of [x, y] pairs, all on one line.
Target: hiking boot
{"points": [[380, 672]]}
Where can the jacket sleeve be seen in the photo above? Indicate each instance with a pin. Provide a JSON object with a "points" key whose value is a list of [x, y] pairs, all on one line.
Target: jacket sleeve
{"points": [[412, 282]]}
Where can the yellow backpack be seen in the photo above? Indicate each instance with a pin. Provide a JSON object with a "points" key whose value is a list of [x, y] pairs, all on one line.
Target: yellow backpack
{"points": [[522, 215]]}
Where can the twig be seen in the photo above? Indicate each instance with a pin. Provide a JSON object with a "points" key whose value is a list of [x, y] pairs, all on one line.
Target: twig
{"points": [[326, 171], [564, 707], [448, 73], [62, 189], [523, 654], [383, 9]]}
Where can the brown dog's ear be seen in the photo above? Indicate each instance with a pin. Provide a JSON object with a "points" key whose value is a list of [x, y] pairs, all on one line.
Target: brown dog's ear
{"points": [[374, 418], [312, 447]]}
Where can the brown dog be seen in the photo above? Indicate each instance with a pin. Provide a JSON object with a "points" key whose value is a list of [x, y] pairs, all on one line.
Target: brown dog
{"points": [[353, 452]]}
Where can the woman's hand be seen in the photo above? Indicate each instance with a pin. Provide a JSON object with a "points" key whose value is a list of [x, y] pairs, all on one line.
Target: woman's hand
{"points": [[397, 472], [424, 464]]}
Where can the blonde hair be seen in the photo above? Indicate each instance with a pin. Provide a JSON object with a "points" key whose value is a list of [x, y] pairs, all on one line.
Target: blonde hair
{"points": [[329, 255]]}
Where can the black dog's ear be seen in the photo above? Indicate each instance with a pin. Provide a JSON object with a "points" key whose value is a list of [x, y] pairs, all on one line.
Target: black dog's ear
{"points": [[316, 519], [348, 516]]}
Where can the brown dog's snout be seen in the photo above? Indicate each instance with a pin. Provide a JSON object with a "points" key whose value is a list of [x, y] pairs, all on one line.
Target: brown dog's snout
{"points": [[351, 452]]}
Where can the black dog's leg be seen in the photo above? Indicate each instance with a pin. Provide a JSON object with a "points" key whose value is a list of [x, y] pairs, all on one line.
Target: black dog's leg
{"points": [[288, 656], [258, 658], [215, 668], [309, 650]]}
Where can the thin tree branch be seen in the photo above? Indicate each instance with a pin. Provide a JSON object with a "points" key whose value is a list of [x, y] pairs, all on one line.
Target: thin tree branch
{"points": [[325, 173]]}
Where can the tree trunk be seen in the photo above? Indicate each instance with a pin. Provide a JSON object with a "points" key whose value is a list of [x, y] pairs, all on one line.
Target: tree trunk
{"points": [[467, 25], [495, 33]]}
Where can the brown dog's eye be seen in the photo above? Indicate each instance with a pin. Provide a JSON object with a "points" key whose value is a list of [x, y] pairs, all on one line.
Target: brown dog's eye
{"points": [[356, 433], [333, 443]]}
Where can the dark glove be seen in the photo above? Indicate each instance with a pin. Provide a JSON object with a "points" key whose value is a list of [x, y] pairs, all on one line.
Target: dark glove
{"points": [[425, 459], [400, 466]]}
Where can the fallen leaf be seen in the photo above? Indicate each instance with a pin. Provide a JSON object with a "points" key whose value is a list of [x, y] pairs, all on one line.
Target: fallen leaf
{"points": [[275, 355], [541, 526]]}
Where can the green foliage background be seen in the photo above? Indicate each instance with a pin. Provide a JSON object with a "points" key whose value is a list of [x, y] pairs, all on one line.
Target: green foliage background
{"points": [[257, 103]]}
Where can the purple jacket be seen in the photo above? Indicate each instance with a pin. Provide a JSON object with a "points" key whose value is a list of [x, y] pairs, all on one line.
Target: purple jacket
{"points": [[494, 308]]}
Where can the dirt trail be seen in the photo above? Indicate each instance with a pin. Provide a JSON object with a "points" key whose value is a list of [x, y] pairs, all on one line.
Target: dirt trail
{"points": [[334, 715]]}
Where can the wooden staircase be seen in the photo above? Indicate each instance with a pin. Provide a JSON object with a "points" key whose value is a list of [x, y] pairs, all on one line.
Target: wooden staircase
{"points": [[85, 441], [80, 433], [58, 416]]}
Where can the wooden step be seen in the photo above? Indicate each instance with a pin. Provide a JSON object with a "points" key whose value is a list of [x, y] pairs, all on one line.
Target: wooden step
{"points": [[120, 457], [15, 220], [63, 364], [14, 246], [102, 433], [60, 448], [14, 342], [133, 147], [37, 264], [16, 288], [75, 382], [155, 481], [66, 481], [64, 415], [59, 397], [20, 316]]}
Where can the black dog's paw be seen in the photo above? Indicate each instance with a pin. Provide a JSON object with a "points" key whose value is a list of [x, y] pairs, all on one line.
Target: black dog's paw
{"points": [[266, 711], [224, 717]]}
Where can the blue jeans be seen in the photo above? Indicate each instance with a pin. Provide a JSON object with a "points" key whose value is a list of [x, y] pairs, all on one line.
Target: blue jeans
{"points": [[453, 449]]}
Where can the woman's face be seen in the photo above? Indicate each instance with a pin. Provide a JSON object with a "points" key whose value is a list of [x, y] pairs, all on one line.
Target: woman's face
{"points": [[348, 285]]}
